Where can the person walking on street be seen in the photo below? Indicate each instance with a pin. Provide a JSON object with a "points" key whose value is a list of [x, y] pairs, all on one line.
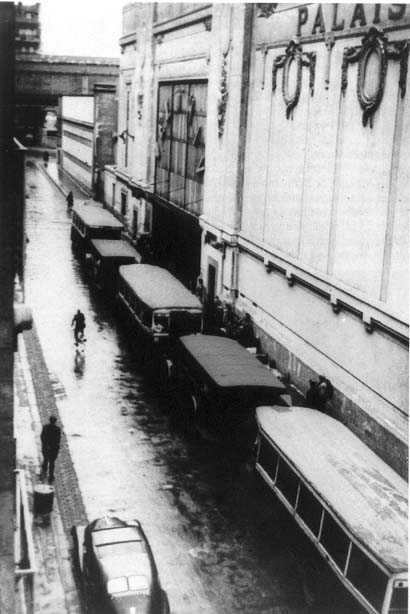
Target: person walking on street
{"points": [[70, 200], [50, 446], [79, 325]]}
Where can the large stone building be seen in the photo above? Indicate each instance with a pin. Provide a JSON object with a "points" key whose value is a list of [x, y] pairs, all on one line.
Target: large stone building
{"points": [[265, 147], [88, 128]]}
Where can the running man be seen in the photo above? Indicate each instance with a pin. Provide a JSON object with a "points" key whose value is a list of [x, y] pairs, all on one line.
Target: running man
{"points": [[79, 325]]}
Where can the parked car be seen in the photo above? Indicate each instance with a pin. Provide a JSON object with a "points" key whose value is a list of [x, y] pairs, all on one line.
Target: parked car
{"points": [[91, 221], [157, 309], [106, 257], [220, 384], [118, 567]]}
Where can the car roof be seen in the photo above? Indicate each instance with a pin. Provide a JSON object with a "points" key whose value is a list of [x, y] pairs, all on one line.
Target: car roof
{"points": [[228, 364], [120, 548], [364, 492], [158, 288], [93, 214], [115, 248]]}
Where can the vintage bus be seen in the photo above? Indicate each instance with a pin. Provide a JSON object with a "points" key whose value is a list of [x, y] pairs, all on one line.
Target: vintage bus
{"points": [[220, 383], [157, 304], [106, 257], [91, 221], [350, 504]]}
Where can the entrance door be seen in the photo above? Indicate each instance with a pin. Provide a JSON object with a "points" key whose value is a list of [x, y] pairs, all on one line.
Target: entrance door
{"points": [[211, 285]]}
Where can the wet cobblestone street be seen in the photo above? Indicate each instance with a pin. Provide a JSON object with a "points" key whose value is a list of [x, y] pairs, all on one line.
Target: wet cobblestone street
{"points": [[221, 543]]}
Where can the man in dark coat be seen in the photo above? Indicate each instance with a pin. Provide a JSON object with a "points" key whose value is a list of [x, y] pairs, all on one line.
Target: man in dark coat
{"points": [[79, 326], [50, 446]]}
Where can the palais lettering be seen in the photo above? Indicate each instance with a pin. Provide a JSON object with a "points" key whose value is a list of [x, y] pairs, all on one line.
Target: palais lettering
{"points": [[315, 20]]}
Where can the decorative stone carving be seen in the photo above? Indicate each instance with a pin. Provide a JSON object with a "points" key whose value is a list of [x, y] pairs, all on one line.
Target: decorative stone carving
{"points": [[292, 54], [375, 44], [266, 9]]}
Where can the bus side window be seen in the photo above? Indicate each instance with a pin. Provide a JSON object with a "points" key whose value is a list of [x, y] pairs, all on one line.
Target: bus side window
{"points": [[268, 458], [146, 317], [309, 509], [287, 482], [335, 541], [367, 577]]}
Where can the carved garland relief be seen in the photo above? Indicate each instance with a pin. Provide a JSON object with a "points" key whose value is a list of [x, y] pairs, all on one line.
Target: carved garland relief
{"points": [[293, 60], [372, 58], [374, 52]]}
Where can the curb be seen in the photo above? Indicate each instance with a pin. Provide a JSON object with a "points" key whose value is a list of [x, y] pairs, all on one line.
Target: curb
{"points": [[58, 185]]}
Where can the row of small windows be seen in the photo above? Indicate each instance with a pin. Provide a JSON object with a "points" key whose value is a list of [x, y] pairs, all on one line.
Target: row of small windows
{"points": [[139, 309], [362, 572]]}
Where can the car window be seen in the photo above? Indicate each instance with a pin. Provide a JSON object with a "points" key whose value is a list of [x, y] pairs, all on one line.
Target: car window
{"points": [[117, 585], [138, 583], [113, 536], [121, 549]]}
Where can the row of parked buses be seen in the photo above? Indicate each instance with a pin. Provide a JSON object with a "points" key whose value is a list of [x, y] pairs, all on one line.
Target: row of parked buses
{"points": [[347, 501]]}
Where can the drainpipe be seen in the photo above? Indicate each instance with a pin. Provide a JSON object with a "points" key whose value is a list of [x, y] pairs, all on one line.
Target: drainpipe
{"points": [[246, 57]]}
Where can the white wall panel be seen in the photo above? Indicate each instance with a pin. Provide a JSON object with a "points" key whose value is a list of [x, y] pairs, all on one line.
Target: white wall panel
{"points": [[374, 360], [80, 108]]}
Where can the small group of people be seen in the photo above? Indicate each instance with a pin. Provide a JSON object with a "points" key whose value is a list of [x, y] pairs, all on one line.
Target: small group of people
{"points": [[319, 393]]}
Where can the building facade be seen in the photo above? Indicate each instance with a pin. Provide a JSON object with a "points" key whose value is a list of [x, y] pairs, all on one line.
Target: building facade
{"points": [[88, 135], [27, 28], [12, 247], [157, 184], [282, 133]]}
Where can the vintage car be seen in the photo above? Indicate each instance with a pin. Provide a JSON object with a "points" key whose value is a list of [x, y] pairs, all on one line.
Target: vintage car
{"points": [[91, 221], [118, 568], [105, 258], [220, 383], [157, 305]]}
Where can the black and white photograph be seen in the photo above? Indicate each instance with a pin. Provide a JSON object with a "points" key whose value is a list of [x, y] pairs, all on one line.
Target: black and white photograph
{"points": [[204, 307]]}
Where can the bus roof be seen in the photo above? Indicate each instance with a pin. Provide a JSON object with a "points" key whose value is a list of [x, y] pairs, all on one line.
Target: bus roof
{"points": [[365, 494], [157, 288], [94, 215], [228, 364], [115, 248]]}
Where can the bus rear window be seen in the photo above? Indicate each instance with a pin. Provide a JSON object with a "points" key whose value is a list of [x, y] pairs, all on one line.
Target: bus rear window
{"points": [[367, 577], [399, 600], [287, 482]]}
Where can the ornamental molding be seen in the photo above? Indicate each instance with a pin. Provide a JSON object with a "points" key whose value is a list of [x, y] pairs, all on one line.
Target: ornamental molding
{"points": [[374, 43], [223, 91], [293, 53]]}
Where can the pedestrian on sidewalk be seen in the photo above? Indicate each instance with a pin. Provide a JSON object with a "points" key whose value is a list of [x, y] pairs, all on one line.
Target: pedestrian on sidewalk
{"points": [[79, 325], [46, 157], [50, 446], [70, 200]]}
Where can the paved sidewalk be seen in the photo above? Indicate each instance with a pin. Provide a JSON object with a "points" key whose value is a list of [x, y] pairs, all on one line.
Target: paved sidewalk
{"points": [[61, 180], [66, 482], [55, 591]]}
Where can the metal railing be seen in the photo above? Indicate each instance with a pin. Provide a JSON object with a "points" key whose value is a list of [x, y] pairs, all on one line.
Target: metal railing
{"points": [[24, 555]]}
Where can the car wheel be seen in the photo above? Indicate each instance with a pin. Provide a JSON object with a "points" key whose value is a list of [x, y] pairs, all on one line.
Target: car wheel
{"points": [[165, 609]]}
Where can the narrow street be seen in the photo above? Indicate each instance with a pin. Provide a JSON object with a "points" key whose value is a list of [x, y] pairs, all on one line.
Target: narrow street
{"points": [[221, 543]]}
